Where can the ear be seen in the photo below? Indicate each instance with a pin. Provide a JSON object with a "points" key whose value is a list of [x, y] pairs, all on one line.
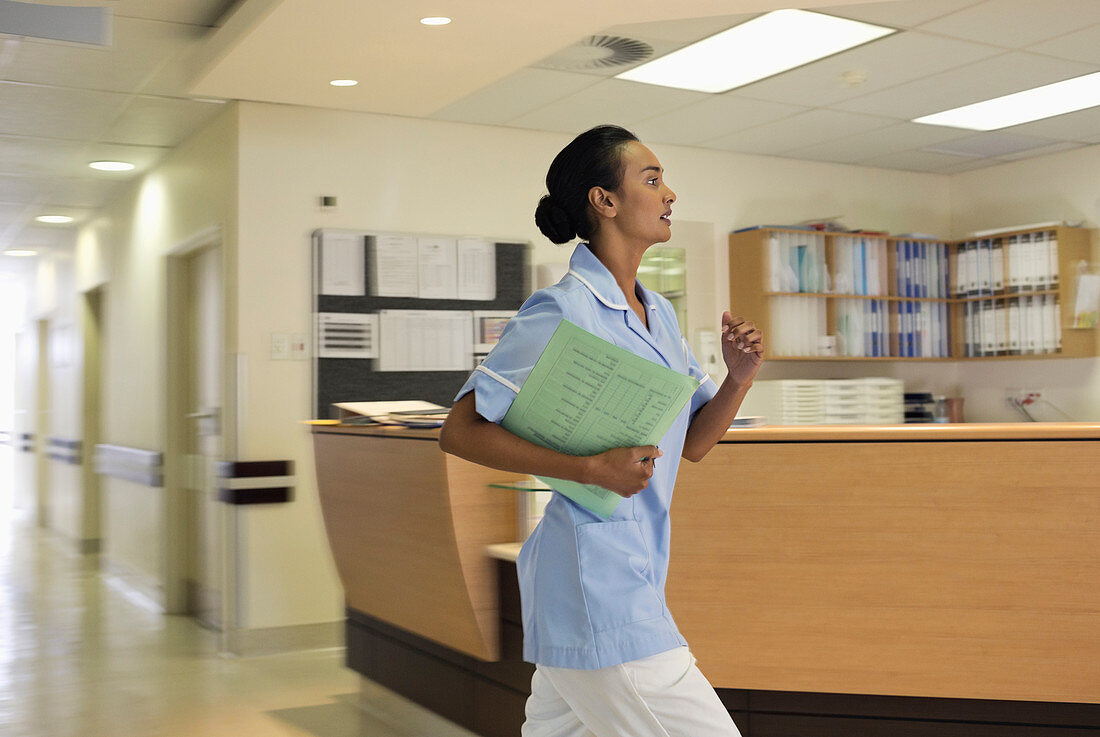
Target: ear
{"points": [[601, 201]]}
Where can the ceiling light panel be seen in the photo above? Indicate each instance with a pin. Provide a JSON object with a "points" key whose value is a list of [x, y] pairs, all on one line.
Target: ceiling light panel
{"points": [[997, 75], [1067, 96], [111, 166], [760, 48]]}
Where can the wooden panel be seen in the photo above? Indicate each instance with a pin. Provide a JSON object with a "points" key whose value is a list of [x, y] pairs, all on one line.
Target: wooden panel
{"points": [[748, 265], [931, 432], [1074, 245], [829, 568], [408, 543]]}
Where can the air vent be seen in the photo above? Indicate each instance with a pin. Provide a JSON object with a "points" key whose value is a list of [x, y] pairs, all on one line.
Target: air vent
{"points": [[347, 335], [599, 52]]}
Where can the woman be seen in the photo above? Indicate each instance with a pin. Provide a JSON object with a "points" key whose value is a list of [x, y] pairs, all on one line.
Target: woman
{"points": [[609, 659]]}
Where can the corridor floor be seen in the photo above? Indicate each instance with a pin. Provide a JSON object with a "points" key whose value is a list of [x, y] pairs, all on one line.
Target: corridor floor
{"points": [[80, 656]]}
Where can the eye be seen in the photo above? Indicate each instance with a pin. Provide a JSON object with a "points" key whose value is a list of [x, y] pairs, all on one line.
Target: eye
{"points": [[653, 181]]}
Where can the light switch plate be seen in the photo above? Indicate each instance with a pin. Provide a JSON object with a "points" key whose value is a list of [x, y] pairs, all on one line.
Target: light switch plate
{"points": [[280, 346]]}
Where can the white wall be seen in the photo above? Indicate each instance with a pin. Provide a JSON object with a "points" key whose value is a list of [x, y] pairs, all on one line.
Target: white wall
{"points": [[1063, 186], [125, 250]]}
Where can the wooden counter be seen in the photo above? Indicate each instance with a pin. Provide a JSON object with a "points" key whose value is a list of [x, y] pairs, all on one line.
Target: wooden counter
{"points": [[948, 561], [408, 526], [954, 561]]}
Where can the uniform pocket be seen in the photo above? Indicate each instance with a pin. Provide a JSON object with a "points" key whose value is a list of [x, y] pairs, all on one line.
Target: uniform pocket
{"points": [[613, 562]]}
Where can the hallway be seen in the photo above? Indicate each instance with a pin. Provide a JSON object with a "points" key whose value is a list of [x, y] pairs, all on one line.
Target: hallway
{"points": [[82, 656]]}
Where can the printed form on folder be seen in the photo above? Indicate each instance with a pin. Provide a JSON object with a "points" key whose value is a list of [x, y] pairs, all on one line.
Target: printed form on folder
{"points": [[585, 396]]}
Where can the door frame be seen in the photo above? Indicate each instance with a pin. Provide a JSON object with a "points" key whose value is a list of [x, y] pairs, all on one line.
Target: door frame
{"points": [[178, 429], [92, 325]]}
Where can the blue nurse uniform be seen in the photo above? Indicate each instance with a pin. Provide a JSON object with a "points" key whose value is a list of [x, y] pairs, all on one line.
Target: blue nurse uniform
{"points": [[593, 590]]}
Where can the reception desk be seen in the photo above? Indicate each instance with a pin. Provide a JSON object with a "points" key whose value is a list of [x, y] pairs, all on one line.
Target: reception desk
{"points": [[952, 562]]}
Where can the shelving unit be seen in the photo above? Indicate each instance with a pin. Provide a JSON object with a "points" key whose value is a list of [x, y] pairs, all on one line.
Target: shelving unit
{"points": [[812, 286]]}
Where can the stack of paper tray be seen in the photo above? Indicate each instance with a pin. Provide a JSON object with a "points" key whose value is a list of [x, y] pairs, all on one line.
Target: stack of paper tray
{"points": [[873, 401], [883, 401], [843, 402], [786, 401], [870, 401]]}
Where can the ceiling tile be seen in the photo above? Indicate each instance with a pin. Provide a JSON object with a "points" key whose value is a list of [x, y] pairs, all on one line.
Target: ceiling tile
{"points": [[21, 155], [51, 239], [884, 63], [894, 14], [982, 80], [917, 161], [969, 165], [517, 94], [993, 143], [159, 121], [1053, 148], [1083, 45], [1017, 23], [140, 48], [56, 112], [879, 142], [611, 101], [47, 157], [712, 118], [799, 131], [56, 192], [681, 31], [1083, 125]]}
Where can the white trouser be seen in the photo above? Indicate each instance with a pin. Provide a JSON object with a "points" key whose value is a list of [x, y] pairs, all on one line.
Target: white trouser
{"points": [[663, 695]]}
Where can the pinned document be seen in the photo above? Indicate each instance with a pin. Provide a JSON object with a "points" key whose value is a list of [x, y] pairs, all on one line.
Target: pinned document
{"points": [[586, 396]]}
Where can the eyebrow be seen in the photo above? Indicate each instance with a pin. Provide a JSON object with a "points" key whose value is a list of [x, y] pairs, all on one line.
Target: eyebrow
{"points": [[653, 168]]}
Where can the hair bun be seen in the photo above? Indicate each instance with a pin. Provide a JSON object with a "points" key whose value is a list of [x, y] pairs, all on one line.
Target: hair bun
{"points": [[553, 221]]}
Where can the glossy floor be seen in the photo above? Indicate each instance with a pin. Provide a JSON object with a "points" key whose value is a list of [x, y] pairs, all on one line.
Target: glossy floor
{"points": [[82, 656]]}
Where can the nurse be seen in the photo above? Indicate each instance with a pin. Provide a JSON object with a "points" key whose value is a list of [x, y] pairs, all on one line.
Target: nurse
{"points": [[609, 658]]}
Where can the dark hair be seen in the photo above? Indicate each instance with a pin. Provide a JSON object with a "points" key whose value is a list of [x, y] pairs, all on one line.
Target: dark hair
{"points": [[592, 159]]}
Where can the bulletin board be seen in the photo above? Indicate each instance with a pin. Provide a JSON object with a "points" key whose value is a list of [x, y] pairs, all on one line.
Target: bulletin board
{"points": [[343, 379]]}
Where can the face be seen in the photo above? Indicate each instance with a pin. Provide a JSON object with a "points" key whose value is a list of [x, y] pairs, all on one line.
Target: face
{"points": [[643, 202]]}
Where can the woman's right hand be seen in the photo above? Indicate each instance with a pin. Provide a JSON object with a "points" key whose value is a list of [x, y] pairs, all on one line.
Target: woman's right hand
{"points": [[625, 471]]}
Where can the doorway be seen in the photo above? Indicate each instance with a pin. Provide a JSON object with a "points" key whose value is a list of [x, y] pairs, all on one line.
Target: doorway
{"points": [[199, 527], [92, 314]]}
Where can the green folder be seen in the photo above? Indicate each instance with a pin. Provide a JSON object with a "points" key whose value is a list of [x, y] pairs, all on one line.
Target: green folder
{"points": [[585, 396]]}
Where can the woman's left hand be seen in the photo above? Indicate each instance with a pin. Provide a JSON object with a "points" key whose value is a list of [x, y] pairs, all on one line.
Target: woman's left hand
{"points": [[742, 348]]}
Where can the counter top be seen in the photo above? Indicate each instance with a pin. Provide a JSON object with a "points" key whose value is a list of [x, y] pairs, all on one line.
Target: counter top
{"points": [[504, 551], [825, 433]]}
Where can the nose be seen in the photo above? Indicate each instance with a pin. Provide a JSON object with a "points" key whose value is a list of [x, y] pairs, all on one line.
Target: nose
{"points": [[670, 196]]}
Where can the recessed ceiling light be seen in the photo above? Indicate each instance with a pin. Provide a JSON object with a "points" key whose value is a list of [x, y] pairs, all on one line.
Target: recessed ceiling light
{"points": [[20, 252], [344, 82], [112, 165], [435, 20], [54, 219], [1047, 101], [759, 48]]}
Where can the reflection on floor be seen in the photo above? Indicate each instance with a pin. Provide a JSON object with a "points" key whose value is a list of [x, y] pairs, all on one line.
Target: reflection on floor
{"points": [[82, 657]]}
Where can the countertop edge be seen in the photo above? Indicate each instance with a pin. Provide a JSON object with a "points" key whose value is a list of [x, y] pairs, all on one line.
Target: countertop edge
{"points": [[824, 433]]}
